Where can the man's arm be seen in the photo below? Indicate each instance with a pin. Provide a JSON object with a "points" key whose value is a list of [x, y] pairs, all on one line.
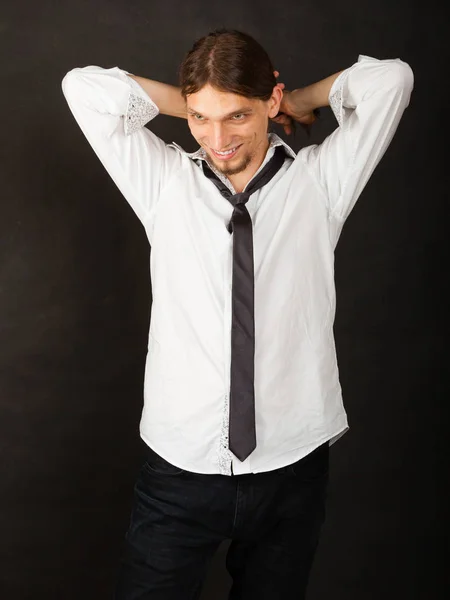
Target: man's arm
{"points": [[368, 100], [111, 110], [167, 97], [301, 105], [315, 95]]}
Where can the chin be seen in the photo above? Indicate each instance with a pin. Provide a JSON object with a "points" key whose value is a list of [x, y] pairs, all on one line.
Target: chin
{"points": [[235, 169], [232, 167]]}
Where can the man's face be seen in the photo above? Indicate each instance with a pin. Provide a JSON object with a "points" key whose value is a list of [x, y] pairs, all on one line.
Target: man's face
{"points": [[231, 129]]}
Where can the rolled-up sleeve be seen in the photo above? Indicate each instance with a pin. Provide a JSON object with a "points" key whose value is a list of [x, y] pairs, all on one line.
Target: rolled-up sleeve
{"points": [[368, 100], [111, 110]]}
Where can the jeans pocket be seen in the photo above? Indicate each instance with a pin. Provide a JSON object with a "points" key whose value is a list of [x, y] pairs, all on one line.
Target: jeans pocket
{"points": [[155, 463], [314, 465]]}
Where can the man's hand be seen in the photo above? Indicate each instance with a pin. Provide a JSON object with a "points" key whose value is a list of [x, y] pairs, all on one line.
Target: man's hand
{"points": [[292, 108], [303, 104]]}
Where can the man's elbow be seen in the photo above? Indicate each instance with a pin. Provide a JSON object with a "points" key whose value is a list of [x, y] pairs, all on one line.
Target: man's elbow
{"points": [[401, 79]]}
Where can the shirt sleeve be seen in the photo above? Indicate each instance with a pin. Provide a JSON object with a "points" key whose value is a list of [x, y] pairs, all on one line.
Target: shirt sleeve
{"points": [[368, 100], [111, 110]]}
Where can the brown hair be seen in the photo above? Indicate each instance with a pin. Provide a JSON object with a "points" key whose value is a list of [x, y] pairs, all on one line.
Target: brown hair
{"points": [[230, 61]]}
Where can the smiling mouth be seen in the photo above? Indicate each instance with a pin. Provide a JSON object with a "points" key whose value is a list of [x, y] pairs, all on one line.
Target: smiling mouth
{"points": [[227, 154]]}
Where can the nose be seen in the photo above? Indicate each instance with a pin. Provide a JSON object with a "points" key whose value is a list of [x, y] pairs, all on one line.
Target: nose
{"points": [[218, 136]]}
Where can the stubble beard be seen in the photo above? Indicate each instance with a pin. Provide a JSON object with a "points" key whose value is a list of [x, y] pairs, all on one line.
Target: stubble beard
{"points": [[227, 170]]}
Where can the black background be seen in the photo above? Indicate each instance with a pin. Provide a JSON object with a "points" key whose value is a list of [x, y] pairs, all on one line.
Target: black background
{"points": [[75, 298]]}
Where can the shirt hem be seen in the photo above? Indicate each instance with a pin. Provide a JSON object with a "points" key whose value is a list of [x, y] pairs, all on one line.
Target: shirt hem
{"points": [[331, 438]]}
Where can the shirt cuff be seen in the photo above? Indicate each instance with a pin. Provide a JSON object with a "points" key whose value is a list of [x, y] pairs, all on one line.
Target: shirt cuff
{"points": [[140, 108], [336, 96]]}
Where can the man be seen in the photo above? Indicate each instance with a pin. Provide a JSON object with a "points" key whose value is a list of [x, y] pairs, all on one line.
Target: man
{"points": [[241, 395]]}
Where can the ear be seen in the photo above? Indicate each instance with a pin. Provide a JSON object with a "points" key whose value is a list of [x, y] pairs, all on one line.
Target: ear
{"points": [[275, 101]]}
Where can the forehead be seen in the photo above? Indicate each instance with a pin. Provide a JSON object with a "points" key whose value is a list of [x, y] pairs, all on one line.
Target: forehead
{"points": [[215, 104]]}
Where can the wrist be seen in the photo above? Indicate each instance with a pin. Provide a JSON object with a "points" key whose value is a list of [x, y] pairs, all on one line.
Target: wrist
{"points": [[315, 95], [167, 97]]}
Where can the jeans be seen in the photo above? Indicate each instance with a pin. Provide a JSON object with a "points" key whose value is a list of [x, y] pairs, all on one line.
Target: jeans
{"points": [[179, 518]]}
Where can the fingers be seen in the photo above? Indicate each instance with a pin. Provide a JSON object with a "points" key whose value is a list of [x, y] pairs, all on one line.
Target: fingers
{"points": [[285, 121], [280, 85], [282, 118]]}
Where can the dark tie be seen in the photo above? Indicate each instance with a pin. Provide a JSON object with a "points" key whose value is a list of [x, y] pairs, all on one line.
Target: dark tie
{"points": [[242, 432]]}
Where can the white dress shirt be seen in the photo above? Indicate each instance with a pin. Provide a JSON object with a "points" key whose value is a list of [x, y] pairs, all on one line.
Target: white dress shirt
{"points": [[297, 219]]}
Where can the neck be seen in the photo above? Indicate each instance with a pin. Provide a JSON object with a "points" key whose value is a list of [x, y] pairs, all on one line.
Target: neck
{"points": [[240, 180]]}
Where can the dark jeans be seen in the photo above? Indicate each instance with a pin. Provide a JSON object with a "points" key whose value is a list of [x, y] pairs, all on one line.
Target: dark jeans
{"points": [[180, 518]]}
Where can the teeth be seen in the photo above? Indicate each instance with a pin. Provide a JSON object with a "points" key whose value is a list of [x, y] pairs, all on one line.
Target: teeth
{"points": [[225, 153]]}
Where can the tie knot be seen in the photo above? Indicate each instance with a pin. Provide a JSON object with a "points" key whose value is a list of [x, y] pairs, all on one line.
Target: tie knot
{"points": [[240, 198]]}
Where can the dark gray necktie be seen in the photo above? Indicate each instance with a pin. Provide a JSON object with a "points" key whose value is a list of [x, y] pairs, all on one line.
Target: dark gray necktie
{"points": [[242, 432]]}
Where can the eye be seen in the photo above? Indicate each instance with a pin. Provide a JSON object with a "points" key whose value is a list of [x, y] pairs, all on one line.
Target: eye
{"points": [[238, 117], [197, 117]]}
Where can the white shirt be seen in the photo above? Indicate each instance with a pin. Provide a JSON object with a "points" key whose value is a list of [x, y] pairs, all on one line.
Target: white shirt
{"points": [[297, 219]]}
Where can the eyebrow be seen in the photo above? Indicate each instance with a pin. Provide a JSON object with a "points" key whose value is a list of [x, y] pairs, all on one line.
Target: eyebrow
{"points": [[243, 111]]}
